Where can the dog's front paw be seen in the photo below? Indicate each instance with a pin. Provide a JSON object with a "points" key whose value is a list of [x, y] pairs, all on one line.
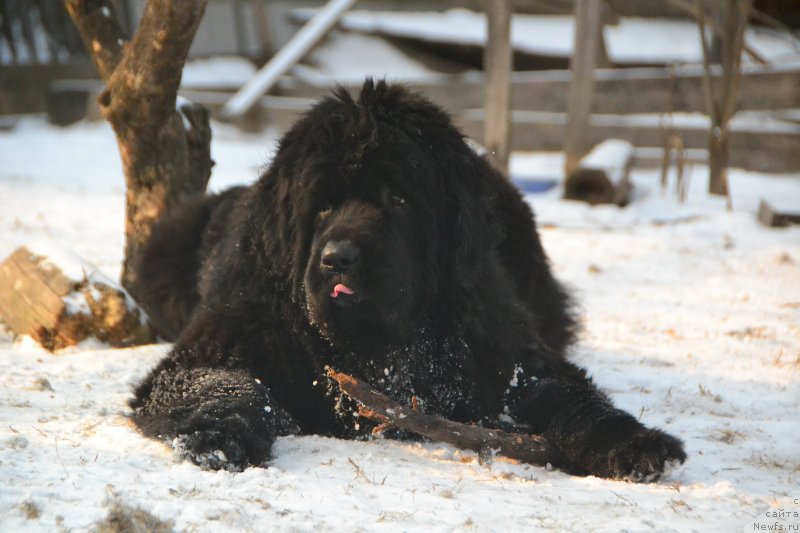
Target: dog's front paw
{"points": [[644, 456], [214, 450]]}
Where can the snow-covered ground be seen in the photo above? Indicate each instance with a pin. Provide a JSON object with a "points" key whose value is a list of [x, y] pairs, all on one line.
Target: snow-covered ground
{"points": [[692, 321]]}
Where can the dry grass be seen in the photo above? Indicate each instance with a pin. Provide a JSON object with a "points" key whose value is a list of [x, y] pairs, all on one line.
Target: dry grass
{"points": [[123, 518], [30, 509]]}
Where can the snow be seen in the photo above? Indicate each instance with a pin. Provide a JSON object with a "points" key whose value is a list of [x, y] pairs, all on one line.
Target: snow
{"points": [[691, 317], [612, 155]]}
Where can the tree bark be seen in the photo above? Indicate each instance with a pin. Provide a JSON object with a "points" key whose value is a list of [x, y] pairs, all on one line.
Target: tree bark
{"points": [[165, 149], [531, 449], [721, 98]]}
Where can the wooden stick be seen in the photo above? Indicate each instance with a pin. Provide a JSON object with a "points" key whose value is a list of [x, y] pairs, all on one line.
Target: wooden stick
{"points": [[532, 449]]}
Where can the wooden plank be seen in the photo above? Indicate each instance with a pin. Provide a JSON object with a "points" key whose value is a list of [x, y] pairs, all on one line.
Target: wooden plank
{"points": [[24, 88], [497, 65], [751, 149], [588, 28], [617, 91]]}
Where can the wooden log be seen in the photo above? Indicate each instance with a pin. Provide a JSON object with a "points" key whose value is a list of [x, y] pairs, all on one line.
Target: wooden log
{"points": [[60, 300], [769, 216], [602, 175]]}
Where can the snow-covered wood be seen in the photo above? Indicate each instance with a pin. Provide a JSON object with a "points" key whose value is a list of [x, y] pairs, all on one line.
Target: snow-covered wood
{"points": [[630, 41], [770, 216], [601, 177], [59, 300]]}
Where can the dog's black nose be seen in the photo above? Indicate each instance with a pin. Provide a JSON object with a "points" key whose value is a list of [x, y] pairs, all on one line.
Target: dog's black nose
{"points": [[339, 256]]}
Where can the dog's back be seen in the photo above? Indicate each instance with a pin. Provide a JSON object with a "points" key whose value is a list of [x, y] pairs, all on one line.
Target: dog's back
{"points": [[169, 267]]}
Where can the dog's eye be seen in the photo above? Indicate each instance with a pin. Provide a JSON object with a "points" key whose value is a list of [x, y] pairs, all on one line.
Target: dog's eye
{"points": [[396, 201]]}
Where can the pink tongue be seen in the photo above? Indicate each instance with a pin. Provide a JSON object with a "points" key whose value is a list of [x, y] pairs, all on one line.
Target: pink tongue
{"points": [[341, 288]]}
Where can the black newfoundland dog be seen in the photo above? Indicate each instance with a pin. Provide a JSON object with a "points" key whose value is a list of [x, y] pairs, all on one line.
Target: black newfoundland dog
{"points": [[379, 244]]}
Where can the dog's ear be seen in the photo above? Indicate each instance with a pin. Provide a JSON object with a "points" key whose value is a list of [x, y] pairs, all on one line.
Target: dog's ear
{"points": [[471, 227]]}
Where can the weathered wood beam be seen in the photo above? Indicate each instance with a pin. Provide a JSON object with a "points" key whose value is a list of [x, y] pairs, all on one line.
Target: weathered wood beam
{"points": [[767, 150], [617, 91], [587, 33], [497, 66]]}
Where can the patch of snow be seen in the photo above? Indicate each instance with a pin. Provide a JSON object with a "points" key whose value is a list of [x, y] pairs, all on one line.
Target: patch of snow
{"points": [[180, 103]]}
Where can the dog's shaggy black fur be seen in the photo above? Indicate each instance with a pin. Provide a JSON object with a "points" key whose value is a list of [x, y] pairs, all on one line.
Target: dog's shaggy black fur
{"points": [[378, 244]]}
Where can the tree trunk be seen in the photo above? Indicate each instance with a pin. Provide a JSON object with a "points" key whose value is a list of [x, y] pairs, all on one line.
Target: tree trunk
{"points": [[718, 159], [165, 150], [721, 98]]}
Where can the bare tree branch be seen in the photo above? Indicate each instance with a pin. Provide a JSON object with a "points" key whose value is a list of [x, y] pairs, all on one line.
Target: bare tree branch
{"points": [[101, 34], [532, 449]]}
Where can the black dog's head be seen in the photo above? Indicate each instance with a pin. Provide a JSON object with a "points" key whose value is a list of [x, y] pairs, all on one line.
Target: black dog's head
{"points": [[387, 211]]}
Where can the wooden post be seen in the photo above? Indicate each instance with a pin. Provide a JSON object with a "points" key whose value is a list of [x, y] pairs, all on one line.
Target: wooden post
{"points": [[497, 62], [262, 30], [588, 33]]}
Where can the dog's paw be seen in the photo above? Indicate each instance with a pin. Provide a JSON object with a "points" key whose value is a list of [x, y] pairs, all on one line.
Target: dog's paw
{"points": [[232, 442], [213, 450], [645, 456]]}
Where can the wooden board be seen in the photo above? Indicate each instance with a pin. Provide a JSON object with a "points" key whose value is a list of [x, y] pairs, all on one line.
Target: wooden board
{"points": [[768, 150], [616, 91]]}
